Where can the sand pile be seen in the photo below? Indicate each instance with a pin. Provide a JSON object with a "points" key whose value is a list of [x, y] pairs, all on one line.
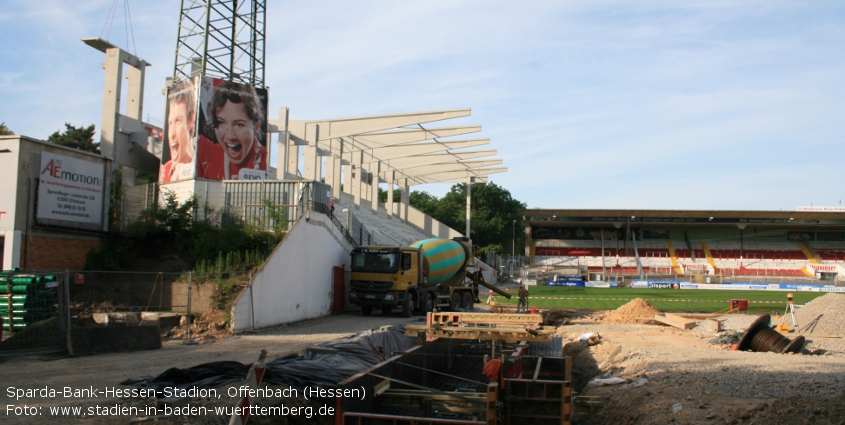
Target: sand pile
{"points": [[635, 311], [823, 315]]}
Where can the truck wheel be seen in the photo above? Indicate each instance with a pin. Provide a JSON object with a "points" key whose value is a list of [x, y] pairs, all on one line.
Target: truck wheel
{"points": [[408, 305], [430, 303], [455, 302], [386, 310], [366, 310], [468, 302]]}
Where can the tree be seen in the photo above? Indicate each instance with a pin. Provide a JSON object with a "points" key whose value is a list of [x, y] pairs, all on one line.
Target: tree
{"points": [[382, 195], [77, 138], [424, 202], [496, 223], [493, 214], [4, 131]]}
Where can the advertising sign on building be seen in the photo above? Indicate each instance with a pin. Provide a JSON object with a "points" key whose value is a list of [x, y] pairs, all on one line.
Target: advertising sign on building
{"points": [[70, 190], [233, 127], [178, 158], [8, 185]]}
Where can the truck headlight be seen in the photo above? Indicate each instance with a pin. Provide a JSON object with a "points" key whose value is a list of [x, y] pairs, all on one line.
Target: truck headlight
{"points": [[388, 297]]}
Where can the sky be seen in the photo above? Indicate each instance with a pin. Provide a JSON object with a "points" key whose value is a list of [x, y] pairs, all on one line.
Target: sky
{"points": [[661, 104]]}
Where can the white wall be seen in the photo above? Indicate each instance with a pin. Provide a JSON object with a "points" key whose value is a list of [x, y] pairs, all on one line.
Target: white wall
{"points": [[296, 281]]}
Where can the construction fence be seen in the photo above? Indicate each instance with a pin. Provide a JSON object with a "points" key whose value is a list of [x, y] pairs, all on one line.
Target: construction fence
{"points": [[43, 312]]}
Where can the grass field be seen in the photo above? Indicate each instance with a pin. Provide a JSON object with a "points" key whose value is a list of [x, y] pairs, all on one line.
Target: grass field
{"points": [[671, 300]]}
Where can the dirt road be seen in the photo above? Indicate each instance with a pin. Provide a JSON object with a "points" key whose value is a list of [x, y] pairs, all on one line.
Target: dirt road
{"points": [[103, 371], [669, 375]]}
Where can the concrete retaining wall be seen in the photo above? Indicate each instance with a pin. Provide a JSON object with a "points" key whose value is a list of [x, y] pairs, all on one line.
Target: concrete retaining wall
{"points": [[296, 281]]}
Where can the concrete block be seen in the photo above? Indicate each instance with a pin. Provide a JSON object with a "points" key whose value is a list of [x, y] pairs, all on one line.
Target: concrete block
{"points": [[114, 338], [101, 318]]}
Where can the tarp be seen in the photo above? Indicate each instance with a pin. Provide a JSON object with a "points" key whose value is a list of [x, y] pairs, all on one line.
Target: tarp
{"points": [[325, 365]]}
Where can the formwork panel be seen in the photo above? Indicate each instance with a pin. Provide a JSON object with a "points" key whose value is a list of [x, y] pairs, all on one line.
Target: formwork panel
{"points": [[538, 390], [441, 382]]}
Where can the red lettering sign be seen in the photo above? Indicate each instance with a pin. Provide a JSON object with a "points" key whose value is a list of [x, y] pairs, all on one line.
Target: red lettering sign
{"points": [[52, 169]]}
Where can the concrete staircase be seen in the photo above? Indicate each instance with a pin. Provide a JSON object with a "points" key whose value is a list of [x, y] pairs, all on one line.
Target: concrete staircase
{"points": [[383, 229]]}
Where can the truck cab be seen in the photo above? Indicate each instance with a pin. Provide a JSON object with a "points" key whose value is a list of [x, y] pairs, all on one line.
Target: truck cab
{"points": [[386, 277]]}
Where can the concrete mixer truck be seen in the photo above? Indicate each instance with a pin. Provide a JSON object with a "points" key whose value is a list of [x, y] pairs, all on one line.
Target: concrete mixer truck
{"points": [[429, 274]]}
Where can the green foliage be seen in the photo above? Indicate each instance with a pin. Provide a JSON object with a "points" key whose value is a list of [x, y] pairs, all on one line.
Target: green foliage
{"points": [[77, 138], [277, 217], [495, 214], [4, 131], [425, 202], [115, 253], [166, 229], [227, 263], [382, 195], [170, 230], [491, 249], [116, 200]]}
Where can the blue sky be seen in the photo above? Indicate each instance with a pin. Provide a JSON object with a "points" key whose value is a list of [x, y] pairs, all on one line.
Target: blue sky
{"points": [[710, 105]]}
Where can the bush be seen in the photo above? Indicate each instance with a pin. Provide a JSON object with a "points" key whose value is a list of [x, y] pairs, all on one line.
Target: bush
{"points": [[171, 230]]}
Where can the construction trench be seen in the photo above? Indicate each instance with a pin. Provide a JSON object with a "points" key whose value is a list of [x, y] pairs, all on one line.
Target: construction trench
{"points": [[469, 368]]}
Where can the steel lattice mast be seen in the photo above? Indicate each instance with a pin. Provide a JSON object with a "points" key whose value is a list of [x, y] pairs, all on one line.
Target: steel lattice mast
{"points": [[222, 38]]}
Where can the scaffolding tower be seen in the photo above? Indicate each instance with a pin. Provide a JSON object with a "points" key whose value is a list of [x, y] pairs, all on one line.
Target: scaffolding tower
{"points": [[222, 38]]}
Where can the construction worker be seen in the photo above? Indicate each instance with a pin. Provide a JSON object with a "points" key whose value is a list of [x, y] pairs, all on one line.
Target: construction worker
{"points": [[522, 305]]}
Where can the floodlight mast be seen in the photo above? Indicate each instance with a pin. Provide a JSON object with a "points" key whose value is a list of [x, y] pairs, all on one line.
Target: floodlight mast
{"points": [[221, 38]]}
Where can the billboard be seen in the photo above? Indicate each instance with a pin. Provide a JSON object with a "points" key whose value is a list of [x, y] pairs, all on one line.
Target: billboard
{"points": [[8, 186], [180, 132], [232, 141], [70, 190]]}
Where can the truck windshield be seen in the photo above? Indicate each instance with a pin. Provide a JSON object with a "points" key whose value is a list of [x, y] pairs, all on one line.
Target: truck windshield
{"points": [[375, 261]]}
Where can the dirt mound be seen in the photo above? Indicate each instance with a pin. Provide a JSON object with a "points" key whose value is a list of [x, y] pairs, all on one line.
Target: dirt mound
{"points": [[823, 315], [637, 310], [210, 326]]}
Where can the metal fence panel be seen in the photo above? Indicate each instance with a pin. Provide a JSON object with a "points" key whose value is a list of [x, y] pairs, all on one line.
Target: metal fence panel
{"points": [[106, 291]]}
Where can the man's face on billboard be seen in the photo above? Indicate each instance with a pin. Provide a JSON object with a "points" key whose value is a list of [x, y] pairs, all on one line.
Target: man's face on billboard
{"points": [[235, 131], [179, 129]]}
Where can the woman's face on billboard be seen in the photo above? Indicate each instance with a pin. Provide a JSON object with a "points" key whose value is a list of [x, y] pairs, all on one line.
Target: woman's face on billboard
{"points": [[235, 131]]}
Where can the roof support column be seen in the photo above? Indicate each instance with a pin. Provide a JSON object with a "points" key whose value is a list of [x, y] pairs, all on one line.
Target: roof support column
{"points": [[283, 144], [375, 167], [469, 207], [292, 158], [391, 179], [406, 200], [333, 174], [313, 170], [356, 177], [135, 92], [347, 178], [336, 163]]}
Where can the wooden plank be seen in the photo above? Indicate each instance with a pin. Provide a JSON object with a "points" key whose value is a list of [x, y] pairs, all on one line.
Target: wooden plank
{"points": [[486, 318], [486, 334], [670, 322], [679, 319]]}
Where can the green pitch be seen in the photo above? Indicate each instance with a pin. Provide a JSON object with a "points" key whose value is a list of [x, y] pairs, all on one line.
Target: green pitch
{"points": [[669, 300]]}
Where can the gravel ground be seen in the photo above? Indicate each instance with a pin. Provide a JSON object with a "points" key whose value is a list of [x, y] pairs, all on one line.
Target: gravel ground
{"points": [[691, 379], [671, 375]]}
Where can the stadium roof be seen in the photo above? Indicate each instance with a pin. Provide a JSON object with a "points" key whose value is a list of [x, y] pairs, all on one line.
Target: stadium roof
{"points": [[597, 217]]}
